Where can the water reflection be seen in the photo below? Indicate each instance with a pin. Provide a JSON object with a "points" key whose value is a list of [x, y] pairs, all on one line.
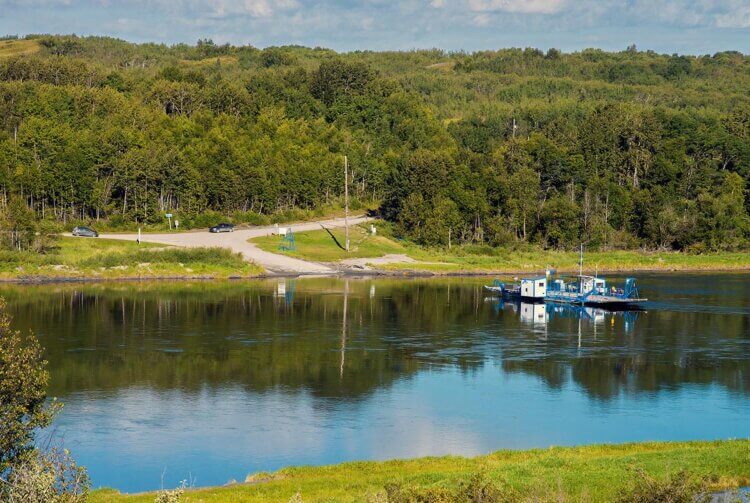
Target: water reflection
{"points": [[309, 333], [540, 313], [220, 379]]}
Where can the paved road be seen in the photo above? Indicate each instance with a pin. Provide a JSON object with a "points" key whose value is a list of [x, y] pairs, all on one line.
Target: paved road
{"points": [[238, 241]]}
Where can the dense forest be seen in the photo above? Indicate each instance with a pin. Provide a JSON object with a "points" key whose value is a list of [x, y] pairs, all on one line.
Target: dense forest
{"points": [[615, 150]]}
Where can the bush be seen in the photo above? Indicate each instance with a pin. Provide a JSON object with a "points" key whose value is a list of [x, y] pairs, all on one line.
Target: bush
{"points": [[27, 476], [24, 408], [478, 489], [171, 495], [47, 238], [678, 488], [251, 218], [204, 219], [53, 477]]}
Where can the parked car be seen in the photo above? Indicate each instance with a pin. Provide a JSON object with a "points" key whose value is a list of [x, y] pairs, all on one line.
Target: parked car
{"points": [[222, 228], [85, 232]]}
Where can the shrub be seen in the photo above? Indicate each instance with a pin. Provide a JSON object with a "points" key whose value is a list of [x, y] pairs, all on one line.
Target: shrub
{"points": [[477, 489], [250, 217], [26, 475], [171, 495], [678, 488], [52, 477], [204, 219], [23, 398]]}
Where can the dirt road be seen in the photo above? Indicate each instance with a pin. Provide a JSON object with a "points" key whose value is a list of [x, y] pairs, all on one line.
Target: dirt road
{"points": [[238, 241]]}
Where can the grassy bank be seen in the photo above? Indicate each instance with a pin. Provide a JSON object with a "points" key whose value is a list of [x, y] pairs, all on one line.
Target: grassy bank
{"points": [[111, 259], [324, 246], [593, 473], [328, 246]]}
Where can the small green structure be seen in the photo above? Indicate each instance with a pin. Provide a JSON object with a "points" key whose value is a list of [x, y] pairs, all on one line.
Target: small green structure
{"points": [[287, 241]]}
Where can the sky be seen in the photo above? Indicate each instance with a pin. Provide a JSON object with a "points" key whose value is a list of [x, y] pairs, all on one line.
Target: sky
{"points": [[666, 26]]}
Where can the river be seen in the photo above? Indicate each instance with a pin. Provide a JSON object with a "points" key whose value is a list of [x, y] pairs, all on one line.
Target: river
{"points": [[211, 381]]}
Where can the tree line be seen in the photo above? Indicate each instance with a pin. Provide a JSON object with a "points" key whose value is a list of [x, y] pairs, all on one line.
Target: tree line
{"points": [[616, 150]]}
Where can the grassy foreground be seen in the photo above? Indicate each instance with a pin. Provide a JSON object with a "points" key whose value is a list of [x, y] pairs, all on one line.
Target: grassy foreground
{"points": [[320, 246], [111, 259], [593, 473]]}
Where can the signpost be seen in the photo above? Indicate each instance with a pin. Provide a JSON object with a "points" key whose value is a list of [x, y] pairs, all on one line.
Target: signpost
{"points": [[287, 240], [169, 217]]}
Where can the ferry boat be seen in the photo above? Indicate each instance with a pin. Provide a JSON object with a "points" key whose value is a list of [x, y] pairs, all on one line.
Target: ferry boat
{"points": [[582, 290], [594, 291], [528, 289]]}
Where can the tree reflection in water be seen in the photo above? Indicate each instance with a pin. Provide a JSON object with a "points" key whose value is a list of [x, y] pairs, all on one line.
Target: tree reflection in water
{"points": [[220, 379], [295, 334]]}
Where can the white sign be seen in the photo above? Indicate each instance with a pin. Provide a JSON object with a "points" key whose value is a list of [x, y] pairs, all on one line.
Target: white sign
{"points": [[169, 215]]}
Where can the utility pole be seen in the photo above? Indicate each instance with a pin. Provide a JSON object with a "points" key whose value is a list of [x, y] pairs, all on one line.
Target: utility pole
{"points": [[580, 276], [346, 200]]}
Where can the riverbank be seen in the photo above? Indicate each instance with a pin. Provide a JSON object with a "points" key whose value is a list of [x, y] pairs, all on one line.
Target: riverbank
{"points": [[592, 473], [104, 259], [388, 255], [255, 252]]}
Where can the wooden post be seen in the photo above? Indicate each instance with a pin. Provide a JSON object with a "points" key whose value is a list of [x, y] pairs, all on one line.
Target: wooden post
{"points": [[346, 200]]}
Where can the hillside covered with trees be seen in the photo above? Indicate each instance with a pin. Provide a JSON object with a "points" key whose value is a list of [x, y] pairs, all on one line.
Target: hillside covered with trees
{"points": [[615, 150]]}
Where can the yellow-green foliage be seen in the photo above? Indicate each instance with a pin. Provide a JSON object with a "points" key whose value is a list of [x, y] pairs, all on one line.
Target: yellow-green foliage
{"points": [[220, 60], [594, 473], [17, 47], [104, 258]]}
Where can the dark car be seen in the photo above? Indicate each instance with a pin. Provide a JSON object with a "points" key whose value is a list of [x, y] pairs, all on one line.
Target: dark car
{"points": [[222, 228], [85, 232]]}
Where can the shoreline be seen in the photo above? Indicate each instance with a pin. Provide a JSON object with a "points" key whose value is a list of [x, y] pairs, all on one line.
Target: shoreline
{"points": [[597, 472], [358, 273]]}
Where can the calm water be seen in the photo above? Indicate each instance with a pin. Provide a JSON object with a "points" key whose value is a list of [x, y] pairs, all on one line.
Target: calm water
{"points": [[212, 381]]}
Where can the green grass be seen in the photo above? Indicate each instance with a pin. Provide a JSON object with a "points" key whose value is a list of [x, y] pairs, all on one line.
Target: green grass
{"points": [[319, 246], [593, 473], [111, 259], [502, 260]]}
